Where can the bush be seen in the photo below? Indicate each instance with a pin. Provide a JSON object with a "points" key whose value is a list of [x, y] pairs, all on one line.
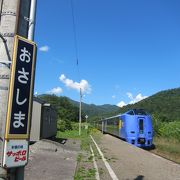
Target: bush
{"points": [[157, 124], [171, 130], [63, 125], [75, 126]]}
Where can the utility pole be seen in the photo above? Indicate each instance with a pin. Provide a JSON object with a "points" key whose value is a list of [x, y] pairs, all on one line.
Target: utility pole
{"points": [[8, 28], [14, 19], [80, 102]]}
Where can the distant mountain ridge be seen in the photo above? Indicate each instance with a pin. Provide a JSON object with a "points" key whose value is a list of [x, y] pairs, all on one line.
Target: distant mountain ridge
{"points": [[166, 104], [96, 110]]}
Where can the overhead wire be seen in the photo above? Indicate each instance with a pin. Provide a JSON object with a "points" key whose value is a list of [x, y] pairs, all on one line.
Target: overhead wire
{"points": [[77, 64], [75, 38]]}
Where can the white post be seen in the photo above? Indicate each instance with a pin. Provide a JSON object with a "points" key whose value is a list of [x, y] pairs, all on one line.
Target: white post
{"points": [[102, 127], [32, 17], [80, 112]]}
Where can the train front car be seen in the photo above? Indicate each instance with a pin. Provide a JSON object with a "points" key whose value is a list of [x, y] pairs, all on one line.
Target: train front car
{"points": [[138, 128]]}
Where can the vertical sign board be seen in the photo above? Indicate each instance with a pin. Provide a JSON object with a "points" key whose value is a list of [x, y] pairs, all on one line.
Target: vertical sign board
{"points": [[19, 103]]}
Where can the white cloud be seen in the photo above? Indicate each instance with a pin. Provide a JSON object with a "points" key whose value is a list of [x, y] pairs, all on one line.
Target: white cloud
{"points": [[135, 99], [121, 104], [139, 97], [56, 91], [130, 96], [84, 85], [114, 97], [44, 48]]}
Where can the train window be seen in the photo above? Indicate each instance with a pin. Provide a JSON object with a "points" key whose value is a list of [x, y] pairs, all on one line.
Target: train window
{"points": [[110, 122], [130, 113], [139, 112], [116, 121]]}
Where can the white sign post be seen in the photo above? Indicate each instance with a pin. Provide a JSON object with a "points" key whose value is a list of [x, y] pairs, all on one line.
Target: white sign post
{"points": [[86, 126]]}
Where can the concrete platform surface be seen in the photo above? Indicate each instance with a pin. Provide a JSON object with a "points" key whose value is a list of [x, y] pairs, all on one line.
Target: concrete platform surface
{"points": [[49, 160]]}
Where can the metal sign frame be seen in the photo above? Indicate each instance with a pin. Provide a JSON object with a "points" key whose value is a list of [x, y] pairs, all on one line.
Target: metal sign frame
{"points": [[11, 133]]}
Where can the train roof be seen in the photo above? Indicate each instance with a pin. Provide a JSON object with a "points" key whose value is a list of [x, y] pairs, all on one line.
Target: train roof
{"points": [[137, 112], [110, 117]]}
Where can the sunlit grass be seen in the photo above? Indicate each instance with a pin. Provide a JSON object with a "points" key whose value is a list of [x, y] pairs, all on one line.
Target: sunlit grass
{"points": [[72, 134], [85, 168], [168, 148]]}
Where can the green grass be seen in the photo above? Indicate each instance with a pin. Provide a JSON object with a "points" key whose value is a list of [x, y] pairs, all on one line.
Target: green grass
{"points": [[70, 134], [168, 148], [85, 168], [74, 134], [84, 173]]}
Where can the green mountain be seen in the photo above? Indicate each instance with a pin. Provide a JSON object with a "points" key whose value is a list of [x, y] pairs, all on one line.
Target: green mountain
{"points": [[69, 109], [64, 108], [96, 110], [165, 104]]}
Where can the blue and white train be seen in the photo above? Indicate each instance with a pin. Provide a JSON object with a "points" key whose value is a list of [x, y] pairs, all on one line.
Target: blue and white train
{"points": [[134, 126]]}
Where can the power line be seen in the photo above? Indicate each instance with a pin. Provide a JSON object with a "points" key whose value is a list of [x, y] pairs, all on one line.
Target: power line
{"points": [[75, 37], [77, 63]]}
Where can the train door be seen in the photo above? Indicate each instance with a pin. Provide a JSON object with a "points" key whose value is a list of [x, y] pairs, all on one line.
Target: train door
{"points": [[104, 125], [141, 126], [141, 139], [120, 126]]}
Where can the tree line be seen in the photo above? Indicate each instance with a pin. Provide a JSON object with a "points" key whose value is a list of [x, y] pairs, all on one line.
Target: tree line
{"points": [[164, 107], [66, 111]]}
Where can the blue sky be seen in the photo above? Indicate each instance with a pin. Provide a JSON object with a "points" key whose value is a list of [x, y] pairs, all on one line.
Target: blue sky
{"points": [[127, 49]]}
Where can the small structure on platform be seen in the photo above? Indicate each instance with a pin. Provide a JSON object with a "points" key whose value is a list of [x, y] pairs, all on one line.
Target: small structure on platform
{"points": [[44, 120]]}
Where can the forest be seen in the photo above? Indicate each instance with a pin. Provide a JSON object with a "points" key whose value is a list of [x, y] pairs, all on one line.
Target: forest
{"points": [[164, 107]]}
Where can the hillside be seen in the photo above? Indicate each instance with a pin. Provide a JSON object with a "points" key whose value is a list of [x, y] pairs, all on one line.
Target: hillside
{"points": [[166, 104], [64, 108], [96, 110], [69, 109]]}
